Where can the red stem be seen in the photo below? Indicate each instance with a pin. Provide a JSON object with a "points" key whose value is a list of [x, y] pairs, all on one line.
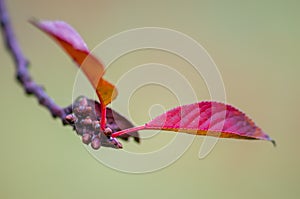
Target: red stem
{"points": [[126, 131], [103, 116]]}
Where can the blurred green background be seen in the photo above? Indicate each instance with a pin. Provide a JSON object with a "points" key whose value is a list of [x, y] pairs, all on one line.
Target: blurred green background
{"points": [[255, 45]]}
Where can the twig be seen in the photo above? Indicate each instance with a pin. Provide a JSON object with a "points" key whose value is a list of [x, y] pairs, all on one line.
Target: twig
{"points": [[21, 63]]}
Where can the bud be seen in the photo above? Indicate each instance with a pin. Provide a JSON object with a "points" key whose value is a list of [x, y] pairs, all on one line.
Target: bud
{"points": [[107, 132], [71, 118], [96, 125], [83, 101], [86, 138], [86, 121], [96, 143]]}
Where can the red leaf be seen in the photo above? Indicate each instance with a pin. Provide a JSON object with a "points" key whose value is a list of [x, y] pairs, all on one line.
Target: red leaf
{"points": [[77, 49], [206, 118]]}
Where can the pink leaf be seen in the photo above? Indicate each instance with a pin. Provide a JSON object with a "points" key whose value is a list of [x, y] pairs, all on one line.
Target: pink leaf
{"points": [[206, 118]]}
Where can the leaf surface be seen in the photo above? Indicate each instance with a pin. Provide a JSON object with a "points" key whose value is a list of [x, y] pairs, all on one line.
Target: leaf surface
{"points": [[206, 118], [76, 48]]}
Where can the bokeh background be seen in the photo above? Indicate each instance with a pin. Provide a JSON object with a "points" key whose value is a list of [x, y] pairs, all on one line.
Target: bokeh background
{"points": [[255, 45]]}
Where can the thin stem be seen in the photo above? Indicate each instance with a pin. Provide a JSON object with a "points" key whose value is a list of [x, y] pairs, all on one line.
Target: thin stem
{"points": [[126, 131], [103, 116]]}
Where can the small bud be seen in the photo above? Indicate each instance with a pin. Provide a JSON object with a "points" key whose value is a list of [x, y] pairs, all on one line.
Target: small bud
{"points": [[96, 143], [96, 125], [86, 121], [107, 132], [83, 101], [86, 138], [71, 118], [76, 110], [82, 111], [88, 109]]}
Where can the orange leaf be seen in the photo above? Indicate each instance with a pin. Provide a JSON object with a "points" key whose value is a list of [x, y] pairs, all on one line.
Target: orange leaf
{"points": [[106, 91], [77, 49]]}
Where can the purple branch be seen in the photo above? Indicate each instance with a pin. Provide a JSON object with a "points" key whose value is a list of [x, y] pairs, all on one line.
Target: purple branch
{"points": [[21, 64]]}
